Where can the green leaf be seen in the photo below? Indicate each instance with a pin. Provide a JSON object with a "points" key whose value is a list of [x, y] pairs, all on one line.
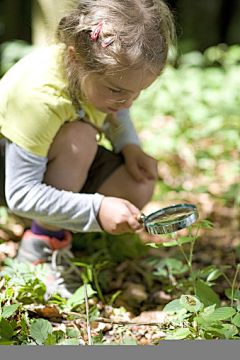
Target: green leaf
{"points": [[114, 296], [229, 331], [191, 303], [210, 309], [72, 333], [156, 246], [78, 263], [23, 324], [236, 320], [208, 269], [70, 342], [236, 294], [89, 274], [206, 295], [206, 224], [50, 340], [9, 310], [5, 342], [173, 306], [128, 341], [39, 330], [225, 267], [173, 263], [6, 330], [78, 297], [93, 313], [169, 244], [222, 313], [165, 244], [215, 274], [184, 240], [160, 273], [178, 334], [58, 335], [97, 340], [208, 320], [9, 292], [214, 330]]}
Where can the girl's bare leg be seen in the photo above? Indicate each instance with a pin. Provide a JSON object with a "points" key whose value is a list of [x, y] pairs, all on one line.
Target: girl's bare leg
{"points": [[121, 184], [70, 157]]}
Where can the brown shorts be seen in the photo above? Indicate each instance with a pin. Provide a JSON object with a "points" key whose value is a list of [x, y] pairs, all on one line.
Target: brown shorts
{"points": [[104, 164]]}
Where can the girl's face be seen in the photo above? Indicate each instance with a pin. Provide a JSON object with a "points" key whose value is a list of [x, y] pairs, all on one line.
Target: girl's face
{"points": [[110, 94]]}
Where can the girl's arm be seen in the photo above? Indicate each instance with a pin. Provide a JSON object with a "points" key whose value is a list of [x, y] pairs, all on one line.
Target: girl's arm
{"points": [[28, 197], [141, 166], [125, 133]]}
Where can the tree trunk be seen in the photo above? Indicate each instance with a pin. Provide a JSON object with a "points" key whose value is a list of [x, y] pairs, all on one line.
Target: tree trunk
{"points": [[45, 17]]}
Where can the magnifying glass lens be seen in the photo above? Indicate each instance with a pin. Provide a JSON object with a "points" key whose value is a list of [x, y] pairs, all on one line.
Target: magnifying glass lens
{"points": [[171, 219]]}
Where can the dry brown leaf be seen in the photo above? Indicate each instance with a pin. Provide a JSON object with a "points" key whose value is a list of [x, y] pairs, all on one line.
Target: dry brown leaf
{"points": [[151, 316]]}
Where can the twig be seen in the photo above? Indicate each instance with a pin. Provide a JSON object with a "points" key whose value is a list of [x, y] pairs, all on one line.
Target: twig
{"points": [[115, 321], [97, 319], [87, 311]]}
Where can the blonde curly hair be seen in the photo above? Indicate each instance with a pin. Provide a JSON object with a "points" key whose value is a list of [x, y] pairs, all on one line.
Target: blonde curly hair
{"points": [[143, 31]]}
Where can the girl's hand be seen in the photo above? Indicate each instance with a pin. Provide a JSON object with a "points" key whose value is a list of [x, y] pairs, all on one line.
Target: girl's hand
{"points": [[118, 216], [141, 166]]}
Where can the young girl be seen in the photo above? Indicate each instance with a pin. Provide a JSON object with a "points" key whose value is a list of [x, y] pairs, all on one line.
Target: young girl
{"points": [[52, 104]]}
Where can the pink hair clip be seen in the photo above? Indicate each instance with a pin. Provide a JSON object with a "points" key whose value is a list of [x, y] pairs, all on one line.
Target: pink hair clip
{"points": [[96, 31], [110, 41]]}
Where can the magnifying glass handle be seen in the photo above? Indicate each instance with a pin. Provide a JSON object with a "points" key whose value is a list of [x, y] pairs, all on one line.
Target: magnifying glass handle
{"points": [[140, 218]]}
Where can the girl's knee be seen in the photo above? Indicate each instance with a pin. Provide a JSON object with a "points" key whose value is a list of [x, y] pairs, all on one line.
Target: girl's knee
{"points": [[74, 139], [72, 152], [143, 194]]}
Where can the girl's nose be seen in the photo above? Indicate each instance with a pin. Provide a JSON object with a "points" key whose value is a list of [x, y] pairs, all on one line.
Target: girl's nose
{"points": [[128, 102]]}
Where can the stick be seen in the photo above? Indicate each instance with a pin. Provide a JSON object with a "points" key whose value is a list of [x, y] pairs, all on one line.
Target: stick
{"points": [[115, 321], [87, 311]]}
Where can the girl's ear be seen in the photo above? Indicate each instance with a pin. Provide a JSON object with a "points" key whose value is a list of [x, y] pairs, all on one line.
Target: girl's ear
{"points": [[72, 55]]}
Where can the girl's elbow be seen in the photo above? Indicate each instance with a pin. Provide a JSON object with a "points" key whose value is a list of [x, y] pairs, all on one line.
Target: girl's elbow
{"points": [[13, 204]]}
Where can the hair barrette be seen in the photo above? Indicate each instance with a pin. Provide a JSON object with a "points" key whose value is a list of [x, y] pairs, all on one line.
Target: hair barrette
{"points": [[105, 44], [96, 31]]}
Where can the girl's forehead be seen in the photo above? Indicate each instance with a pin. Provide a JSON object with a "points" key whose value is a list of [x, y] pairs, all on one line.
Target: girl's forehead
{"points": [[131, 80]]}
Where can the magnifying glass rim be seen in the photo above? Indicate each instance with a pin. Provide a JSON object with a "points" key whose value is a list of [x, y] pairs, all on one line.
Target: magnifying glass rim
{"points": [[186, 221]]}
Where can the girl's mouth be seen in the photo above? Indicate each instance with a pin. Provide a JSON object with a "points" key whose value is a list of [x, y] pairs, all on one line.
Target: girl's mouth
{"points": [[113, 110]]}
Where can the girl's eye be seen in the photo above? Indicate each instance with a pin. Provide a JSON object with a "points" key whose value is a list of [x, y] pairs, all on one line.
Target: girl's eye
{"points": [[115, 91]]}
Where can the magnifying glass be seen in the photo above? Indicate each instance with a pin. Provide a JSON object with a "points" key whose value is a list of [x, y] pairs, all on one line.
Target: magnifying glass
{"points": [[170, 219]]}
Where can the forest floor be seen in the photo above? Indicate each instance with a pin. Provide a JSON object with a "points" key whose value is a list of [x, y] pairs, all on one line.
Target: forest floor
{"points": [[136, 313]]}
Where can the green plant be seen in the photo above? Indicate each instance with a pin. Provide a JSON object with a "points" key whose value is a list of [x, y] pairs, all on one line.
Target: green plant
{"points": [[198, 314], [91, 272], [193, 320], [26, 279], [25, 288]]}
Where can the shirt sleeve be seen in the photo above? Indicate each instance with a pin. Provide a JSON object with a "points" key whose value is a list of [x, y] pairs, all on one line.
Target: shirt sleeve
{"points": [[29, 197], [125, 133]]}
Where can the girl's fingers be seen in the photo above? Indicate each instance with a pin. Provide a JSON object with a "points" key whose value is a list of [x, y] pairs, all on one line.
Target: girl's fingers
{"points": [[134, 220], [137, 173]]}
